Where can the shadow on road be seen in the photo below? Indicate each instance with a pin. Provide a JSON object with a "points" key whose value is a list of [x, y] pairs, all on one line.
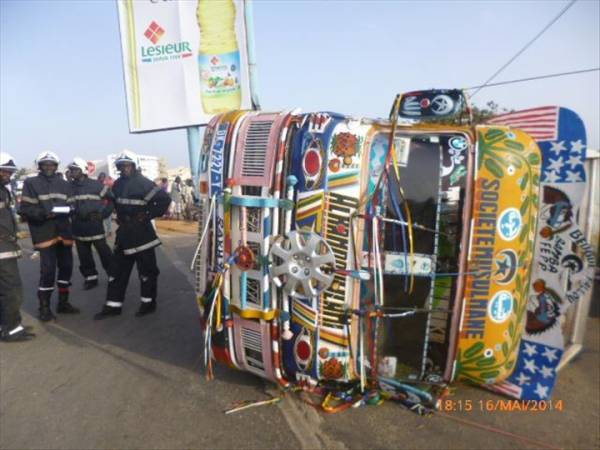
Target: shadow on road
{"points": [[171, 335]]}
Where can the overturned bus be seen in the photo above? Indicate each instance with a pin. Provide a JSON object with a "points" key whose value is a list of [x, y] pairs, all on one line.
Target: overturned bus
{"points": [[365, 258]]}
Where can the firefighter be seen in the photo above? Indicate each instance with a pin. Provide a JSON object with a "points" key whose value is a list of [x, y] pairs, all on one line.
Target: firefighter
{"points": [[137, 201], [45, 206], [92, 203], [11, 289]]}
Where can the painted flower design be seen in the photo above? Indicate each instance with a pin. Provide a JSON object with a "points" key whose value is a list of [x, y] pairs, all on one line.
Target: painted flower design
{"points": [[333, 369], [345, 146]]}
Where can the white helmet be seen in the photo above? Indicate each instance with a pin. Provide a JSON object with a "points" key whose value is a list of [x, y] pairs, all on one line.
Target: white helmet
{"points": [[47, 157], [127, 156], [79, 163], [7, 162]]}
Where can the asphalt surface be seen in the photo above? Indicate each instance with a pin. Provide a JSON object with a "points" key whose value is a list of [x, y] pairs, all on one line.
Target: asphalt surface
{"points": [[132, 382]]}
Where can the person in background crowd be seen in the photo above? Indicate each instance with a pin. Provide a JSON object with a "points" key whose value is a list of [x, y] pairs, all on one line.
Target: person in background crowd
{"points": [[45, 207], [106, 181], [92, 203], [194, 194], [164, 186], [177, 197], [137, 201], [190, 199], [11, 288]]}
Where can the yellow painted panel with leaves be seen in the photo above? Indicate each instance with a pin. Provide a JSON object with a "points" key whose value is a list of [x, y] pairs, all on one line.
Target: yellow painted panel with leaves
{"points": [[502, 233]]}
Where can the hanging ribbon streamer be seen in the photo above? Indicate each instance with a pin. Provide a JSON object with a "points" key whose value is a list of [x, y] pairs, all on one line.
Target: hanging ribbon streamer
{"points": [[215, 315]]}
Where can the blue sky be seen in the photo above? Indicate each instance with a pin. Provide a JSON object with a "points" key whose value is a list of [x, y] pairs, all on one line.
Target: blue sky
{"points": [[61, 80]]}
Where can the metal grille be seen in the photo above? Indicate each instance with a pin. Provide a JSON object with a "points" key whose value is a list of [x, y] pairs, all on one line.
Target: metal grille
{"points": [[252, 343], [255, 150]]}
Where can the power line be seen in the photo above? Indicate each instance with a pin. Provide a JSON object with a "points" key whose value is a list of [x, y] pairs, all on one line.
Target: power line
{"points": [[540, 77], [536, 37]]}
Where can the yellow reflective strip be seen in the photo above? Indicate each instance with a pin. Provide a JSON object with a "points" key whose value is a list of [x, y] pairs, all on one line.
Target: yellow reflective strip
{"points": [[254, 313]]}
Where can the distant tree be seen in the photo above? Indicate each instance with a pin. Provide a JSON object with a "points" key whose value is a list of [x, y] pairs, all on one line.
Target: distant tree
{"points": [[483, 114]]}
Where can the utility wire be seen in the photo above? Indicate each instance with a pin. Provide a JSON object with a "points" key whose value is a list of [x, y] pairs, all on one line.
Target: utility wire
{"points": [[540, 77], [536, 37]]}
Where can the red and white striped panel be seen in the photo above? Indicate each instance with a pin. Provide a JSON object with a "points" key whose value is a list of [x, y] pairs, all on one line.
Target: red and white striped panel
{"points": [[506, 388], [540, 123]]}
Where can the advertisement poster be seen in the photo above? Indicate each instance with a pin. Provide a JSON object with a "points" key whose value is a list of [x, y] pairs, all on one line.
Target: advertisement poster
{"points": [[183, 61]]}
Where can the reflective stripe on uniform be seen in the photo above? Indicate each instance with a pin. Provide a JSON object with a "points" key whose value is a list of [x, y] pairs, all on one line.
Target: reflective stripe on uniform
{"points": [[114, 304], [86, 197], [16, 330], [146, 300], [131, 201], [54, 195], [131, 251], [90, 238], [31, 200], [152, 193], [103, 191], [13, 254], [45, 288], [63, 282], [91, 278]]}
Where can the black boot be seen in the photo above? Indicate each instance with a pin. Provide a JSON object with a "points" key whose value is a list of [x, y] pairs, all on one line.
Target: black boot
{"points": [[64, 307], [18, 334], [90, 284], [146, 308], [108, 311], [45, 313]]}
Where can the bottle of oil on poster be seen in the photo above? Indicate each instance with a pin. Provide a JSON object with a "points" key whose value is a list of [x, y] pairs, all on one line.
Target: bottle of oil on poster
{"points": [[219, 56]]}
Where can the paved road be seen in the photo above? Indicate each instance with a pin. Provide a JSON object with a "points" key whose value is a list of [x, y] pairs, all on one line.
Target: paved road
{"points": [[139, 383]]}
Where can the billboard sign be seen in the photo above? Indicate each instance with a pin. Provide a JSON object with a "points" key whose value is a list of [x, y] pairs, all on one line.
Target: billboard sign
{"points": [[183, 61]]}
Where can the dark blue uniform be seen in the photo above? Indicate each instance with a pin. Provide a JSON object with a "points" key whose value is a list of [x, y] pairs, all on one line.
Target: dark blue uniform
{"points": [[137, 201], [92, 203]]}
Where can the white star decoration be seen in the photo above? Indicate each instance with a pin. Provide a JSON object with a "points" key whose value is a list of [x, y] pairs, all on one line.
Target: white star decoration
{"points": [[577, 146], [546, 372], [558, 147], [556, 164], [541, 391], [574, 160], [572, 176], [530, 365], [552, 176], [523, 379], [549, 354], [529, 349]]}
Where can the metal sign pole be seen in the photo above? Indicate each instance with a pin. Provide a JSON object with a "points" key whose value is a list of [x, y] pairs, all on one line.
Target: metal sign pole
{"points": [[249, 19], [193, 139]]}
